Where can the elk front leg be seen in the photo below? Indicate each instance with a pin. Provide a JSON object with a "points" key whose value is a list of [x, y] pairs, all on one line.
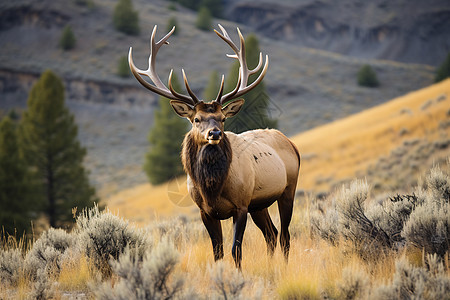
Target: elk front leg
{"points": [[215, 233], [239, 223]]}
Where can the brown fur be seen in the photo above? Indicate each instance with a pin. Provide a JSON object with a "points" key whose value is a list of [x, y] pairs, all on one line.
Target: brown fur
{"points": [[207, 165]]}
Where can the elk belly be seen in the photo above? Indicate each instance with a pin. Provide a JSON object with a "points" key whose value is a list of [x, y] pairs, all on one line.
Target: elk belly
{"points": [[270, 177]]}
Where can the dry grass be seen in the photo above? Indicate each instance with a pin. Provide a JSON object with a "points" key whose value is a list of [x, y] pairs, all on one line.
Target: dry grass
{"points": [[347, 147]]}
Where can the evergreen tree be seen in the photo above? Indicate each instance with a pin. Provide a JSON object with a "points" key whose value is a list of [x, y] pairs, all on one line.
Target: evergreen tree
{"points": [[204, 19], [126, 19], [367, 77], [171, 23], [49, 139], [254, 113], [16, 185], [443, 71], [211, 90], [67, 40], [163, 161], [123, 69], [214, 6]]}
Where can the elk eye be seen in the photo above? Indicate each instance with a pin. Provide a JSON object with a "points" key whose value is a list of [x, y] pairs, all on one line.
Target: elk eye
{"points": [[223, 120], [196, 120]]}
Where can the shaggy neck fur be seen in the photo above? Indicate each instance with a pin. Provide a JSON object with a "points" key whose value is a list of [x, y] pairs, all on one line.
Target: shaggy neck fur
{"points": [[207, 165]]}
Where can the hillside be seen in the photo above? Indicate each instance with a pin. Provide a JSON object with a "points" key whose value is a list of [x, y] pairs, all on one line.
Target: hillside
{"points": [[307, 87], [336, 153], [411, 31]]}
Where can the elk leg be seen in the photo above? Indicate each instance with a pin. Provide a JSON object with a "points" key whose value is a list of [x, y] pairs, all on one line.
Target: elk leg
{"points": [[264, 222], [214, 229], [285, 206], [239, 223]]}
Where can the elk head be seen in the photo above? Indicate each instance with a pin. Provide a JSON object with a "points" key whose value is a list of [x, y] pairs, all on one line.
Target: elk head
{"points": [[207, 118]]}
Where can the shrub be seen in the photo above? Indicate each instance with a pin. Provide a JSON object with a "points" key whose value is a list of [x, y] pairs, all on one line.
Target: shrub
{"points": [[147, 278], [353, 285], [11, 266], [227, 283], [126, 19], [365, 235], [47, 252], [443, 71], [367, 77], [411, 282], [123, 70], [204, 19], [172, 22], [428, 227], [67, 40], [103, 235]]}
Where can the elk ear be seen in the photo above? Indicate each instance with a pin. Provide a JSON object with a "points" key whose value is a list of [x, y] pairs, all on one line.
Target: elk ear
{"points": [[182, 109], [232, 108]]}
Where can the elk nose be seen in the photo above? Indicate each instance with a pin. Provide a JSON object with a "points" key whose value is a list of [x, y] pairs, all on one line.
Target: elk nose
{"points": [[214, 134]]}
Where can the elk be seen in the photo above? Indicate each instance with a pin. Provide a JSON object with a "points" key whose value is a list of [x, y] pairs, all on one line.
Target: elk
{"points": [[231, 175]]}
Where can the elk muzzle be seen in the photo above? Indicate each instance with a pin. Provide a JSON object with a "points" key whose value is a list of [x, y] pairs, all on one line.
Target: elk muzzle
{"points": [[214, 136]]}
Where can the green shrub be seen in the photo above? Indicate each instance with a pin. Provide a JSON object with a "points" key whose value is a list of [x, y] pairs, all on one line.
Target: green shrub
{"points": [[204, 19], [367, 77], [443, 71], [126, 19], [123, 69], [67, 40], [172, 22]]}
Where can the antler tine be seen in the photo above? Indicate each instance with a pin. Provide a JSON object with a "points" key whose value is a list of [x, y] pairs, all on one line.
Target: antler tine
{"points": [[219, 95], [232, 94], [158, 86], [244, 72], [191, 93], [178, 95]]}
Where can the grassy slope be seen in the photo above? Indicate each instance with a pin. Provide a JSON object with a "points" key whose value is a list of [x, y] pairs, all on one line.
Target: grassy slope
{"points": [[331, 153], [343, 148]]}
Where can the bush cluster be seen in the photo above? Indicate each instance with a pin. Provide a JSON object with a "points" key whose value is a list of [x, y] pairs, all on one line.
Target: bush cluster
{"points": [[419, 220], [367, 77], [104, 236]]}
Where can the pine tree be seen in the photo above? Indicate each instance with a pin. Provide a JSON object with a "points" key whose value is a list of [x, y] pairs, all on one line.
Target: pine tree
{"points": [[171, 23], [254, 113], [163, 161], [214, 6], [67, 40], [443, 71], [49, 139], [367, 77], [211, 90], [123, 69], [204, 19], [16, 185], [126, 19]]}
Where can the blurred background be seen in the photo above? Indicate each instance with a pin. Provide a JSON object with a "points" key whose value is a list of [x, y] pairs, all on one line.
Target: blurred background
{"points": [[328, 60]]}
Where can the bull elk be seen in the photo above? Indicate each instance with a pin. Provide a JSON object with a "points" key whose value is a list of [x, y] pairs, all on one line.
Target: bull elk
{"points": [[231, 175]]}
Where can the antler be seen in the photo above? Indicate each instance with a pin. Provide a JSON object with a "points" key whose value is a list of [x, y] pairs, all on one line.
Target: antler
{"points": [[244, 72], [159, 86]]}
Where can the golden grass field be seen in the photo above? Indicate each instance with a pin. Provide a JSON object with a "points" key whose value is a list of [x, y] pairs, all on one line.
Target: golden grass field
{"points": [[330, 153]]}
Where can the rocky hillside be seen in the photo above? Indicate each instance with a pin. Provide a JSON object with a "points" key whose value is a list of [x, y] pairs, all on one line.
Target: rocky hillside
{"points": [[307, 87], [403, 30]]}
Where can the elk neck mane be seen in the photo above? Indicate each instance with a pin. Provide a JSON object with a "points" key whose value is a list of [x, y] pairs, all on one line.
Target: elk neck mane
{"points": [[207, 165]]}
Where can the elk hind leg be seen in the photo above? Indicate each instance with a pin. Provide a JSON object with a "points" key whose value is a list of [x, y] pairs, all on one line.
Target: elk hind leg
{"points": [[264, 222], [285, 207]]}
